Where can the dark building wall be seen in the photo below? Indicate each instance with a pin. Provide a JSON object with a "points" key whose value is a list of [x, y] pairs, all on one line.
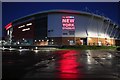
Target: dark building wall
{"points": [[40, 27], [19, 34], [65, 40], [117, 42], [55, 40]]}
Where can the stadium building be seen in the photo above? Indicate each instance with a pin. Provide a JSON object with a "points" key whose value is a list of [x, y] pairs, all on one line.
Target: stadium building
{"points": [[63, 27]]}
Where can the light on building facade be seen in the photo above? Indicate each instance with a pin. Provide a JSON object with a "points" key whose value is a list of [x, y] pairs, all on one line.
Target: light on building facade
{"points": [[8, 26], [26, 29], [68, 23], [28, 24], [21, 26], [89, 39]]}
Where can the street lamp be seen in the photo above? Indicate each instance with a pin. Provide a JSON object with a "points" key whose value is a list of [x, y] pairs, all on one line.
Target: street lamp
{"points": [[35, 40], [18, 42], [36, 47]]}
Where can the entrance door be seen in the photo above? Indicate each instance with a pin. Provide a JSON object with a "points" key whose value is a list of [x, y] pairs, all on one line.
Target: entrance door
{"points": [[81, 41], [71, 42]]}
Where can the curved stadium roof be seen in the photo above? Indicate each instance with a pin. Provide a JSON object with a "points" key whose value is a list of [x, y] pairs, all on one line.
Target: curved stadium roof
{"points": [[63, 11]]}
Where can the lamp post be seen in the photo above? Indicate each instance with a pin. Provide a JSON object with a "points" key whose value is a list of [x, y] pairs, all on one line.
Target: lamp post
{"points": [[89, 24], [105, 33]]}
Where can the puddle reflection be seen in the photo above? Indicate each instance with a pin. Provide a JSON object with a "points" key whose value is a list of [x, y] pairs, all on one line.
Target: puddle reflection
{"points": [[68, 65]]}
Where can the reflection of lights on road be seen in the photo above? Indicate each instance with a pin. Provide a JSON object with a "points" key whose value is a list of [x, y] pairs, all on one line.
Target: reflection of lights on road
{"points": [[24, 50], [10, 48], [103, 58], [68, 65], [20, 50], [3, 48], [47, 50], [89, 58], [52, 43], [36, 51], [109, 56]]}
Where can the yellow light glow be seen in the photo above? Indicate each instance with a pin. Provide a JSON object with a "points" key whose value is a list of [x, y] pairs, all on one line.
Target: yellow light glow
{"points": [[89, 39]]}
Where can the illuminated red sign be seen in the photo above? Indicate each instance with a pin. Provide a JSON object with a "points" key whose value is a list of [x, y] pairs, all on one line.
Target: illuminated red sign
{"points": [[68, 22], [8, 26]]}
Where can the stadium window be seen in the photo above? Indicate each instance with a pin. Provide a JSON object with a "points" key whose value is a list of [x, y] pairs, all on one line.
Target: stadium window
{"points": [[65, 34], [71, 32]]}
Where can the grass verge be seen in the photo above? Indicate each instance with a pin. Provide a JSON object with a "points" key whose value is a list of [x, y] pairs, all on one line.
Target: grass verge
{"points": [[84, 47]]}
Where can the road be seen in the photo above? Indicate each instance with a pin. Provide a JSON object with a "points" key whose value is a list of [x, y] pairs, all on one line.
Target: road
{"points": [[62, 64]]}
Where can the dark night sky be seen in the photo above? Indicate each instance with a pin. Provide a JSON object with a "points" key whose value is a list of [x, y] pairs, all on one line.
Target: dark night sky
{"points": [[14, 10]]}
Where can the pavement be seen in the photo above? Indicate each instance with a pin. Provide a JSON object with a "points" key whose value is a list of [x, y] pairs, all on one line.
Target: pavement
{"points": [[61, 64]]}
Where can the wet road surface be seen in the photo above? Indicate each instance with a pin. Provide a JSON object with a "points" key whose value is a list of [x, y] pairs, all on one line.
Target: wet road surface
{"points": [[62, 64]]}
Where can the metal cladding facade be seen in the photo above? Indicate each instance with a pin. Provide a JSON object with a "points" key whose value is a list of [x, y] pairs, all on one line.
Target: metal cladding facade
{"points": [[65, 27]]}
